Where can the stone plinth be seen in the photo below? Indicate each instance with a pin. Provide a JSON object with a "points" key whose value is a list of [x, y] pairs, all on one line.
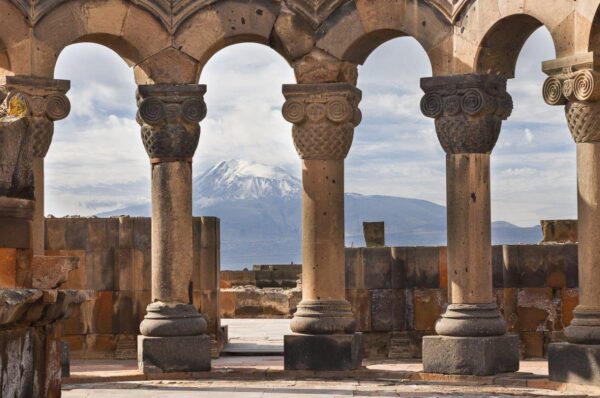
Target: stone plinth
{"points": [[479, 356], [574, 363], [174, 354], [323, 352]]}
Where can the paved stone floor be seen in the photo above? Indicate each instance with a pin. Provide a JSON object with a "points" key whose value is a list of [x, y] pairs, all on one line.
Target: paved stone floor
{"points": [[256, 336], [247, 376]]}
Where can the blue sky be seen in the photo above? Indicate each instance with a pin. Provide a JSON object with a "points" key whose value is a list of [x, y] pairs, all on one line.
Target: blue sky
{"points": [[97, 161]]}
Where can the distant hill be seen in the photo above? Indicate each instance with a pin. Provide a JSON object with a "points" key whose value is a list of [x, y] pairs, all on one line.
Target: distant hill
{"points": [[259, 208]]}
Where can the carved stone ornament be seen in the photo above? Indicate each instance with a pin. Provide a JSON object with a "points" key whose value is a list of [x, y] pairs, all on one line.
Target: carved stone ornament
{"points": [[324, 117], [172, 13], [314, 11], [468, 110], [16, 150], [451, 9], [579, 91], [47, 103], [170, 116], [35, 10]]}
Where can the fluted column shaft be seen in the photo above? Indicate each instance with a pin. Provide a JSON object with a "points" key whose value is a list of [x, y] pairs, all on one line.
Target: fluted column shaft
{"points": [[323, 117], [47, 102], [578, 88], [170, 116], [468, 112]]}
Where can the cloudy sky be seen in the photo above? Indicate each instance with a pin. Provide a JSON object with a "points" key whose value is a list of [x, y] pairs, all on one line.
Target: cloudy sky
{"points": [[97, 161]]}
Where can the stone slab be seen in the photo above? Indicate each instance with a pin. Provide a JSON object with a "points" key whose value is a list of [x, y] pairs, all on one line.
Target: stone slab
{"points": [[15, 233], [173, 354], [323, 352], [479, 356], [574, 363]]}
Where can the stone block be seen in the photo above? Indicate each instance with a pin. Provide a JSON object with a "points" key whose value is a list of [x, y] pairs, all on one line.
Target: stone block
{"points": [[382, 310], [374, 233], [405, 345], [102, 322], [540, 265], [50, 272], [227, 303], [100, 346], [479, 356], [398, 266], [101, 269], [574, 363], [423, 267], [142, 270], [507, 303], [76, 345], [124, 318], [174, 354], [55, 233], [571, 254], [360, 300], [376, 345], [536, 310], [399, 310], [569, 300], [142, 232], [559, 231], [77, 277], [323, 352], [103, 233], [15, 233], [125, 232], [354, 268], [65, 363], [497, 267], [377, 267], [126, 347], [8, 268], [443, 267], [124, 275], [532, 344], [428, 306], [76, 233]]}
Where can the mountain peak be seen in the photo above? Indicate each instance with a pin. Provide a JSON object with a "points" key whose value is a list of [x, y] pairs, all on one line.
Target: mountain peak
{"points": [[242, 179]]}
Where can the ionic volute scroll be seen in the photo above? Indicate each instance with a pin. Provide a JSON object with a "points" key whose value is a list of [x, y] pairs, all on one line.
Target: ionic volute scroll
{"points": [[577, 87], [468, 110], [169, 116], [324, 117]]}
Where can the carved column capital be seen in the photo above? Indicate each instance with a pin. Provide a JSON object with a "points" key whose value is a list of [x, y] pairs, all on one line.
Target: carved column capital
{"points": [[579, 91], [47, 102], [324, 117], [170, 115], [468, 110]]}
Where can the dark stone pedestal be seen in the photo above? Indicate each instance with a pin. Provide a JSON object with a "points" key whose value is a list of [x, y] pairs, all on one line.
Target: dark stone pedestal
{"points": [[480, 356], [173, 354], [323, 352], [574, 363]]}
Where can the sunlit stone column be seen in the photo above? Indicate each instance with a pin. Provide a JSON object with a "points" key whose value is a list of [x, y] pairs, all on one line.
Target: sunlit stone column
{"points": [[47, 103], [173, 332], [575, 83], [323, 117], [468, 112]]}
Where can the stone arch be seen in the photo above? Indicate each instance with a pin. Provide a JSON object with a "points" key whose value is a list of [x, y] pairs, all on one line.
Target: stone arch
{"points": [[492, 34], [356, 29], [227, 23], [501, 46], [14, 32], [126, 29], [594, 36]]}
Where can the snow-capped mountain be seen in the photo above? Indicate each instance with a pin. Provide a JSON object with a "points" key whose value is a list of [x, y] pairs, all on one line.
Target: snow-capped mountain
{"points": [[241, 180], [260, 211]]}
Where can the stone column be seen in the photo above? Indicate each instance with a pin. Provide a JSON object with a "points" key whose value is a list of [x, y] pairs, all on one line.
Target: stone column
{"points": [[173, 332], [575, 83], [47, 103], [323, 117], [468, 112]]}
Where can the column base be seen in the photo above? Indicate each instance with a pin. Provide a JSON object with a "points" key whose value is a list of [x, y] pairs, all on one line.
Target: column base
{"points": [[323, 352], [173, 354], [574, 363], [479, 356]]}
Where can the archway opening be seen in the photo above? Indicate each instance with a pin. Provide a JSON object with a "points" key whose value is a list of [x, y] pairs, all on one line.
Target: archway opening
{"points": [[247, 174], [533, 168]]}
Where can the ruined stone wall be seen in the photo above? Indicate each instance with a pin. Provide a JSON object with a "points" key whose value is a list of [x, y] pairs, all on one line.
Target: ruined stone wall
{"points": [[276, 275], [115, 263], [398, 293]]}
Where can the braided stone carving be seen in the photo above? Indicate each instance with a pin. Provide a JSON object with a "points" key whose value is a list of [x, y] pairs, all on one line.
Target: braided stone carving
{"points": [[170, 117], [324, 117], [47, 102], [579, 91], [468, 110]]}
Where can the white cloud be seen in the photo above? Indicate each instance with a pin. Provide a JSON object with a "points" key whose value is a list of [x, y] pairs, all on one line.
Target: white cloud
{"points": [[528, 136]]}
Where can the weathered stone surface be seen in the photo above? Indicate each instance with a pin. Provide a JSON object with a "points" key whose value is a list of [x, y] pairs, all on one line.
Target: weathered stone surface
{"points": [[49, 272], [480, 356], [173, 354], [423, 267], [377, 268], [574, 363], [374, 233], [559, 231], [323, 352]]}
